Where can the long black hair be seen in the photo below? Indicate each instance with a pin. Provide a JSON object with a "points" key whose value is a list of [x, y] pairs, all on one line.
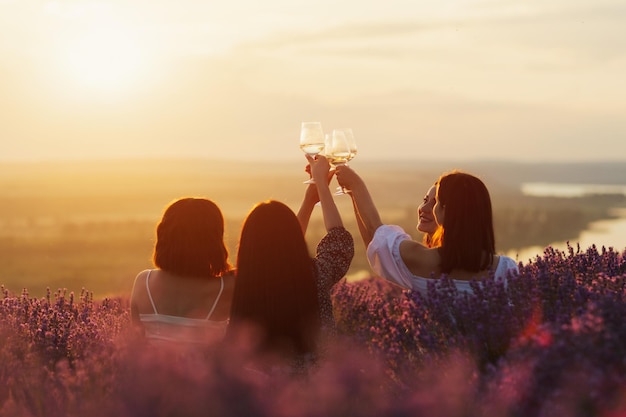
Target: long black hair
{"points": [[468, 241], [275, 289]]}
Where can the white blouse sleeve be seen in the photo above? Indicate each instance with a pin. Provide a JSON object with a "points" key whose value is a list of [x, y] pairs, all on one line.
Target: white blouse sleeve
{"points": [[506, 267], [383, 254]]}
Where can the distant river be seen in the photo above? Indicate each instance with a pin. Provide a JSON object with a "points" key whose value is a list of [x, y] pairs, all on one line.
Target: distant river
{"points": [[601, 233]]}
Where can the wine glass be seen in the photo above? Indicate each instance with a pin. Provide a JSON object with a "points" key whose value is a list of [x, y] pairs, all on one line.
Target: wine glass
{"points": [[339, 151], [311, 141], [351, 142], [349, 135]]}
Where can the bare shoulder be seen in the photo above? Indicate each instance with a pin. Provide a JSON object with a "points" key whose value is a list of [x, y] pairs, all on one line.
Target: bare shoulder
{"points": [[143, 274], [139, 296], [222, 310], [139, 286], [141, 277]]}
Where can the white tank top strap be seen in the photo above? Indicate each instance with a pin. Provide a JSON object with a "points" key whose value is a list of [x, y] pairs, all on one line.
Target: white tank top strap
{"points": [[217, 299], [150, 294]]}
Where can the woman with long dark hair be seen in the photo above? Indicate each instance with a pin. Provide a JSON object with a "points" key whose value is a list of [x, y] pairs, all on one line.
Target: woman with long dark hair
{"points": [[281, 293], [466, 250]]}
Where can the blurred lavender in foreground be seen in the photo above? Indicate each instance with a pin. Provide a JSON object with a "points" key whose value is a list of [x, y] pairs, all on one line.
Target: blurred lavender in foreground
{"points": [[551, 342]]}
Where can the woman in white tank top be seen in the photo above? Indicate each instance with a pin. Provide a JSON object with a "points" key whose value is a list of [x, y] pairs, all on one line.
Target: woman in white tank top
{"points": [[186, 298]]}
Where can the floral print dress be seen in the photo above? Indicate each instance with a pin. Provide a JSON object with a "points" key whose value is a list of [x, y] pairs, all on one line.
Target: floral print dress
{"points": [[332, 261]]}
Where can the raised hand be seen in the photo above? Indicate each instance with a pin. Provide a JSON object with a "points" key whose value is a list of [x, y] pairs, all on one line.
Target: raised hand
{"points": [[347, 177]]}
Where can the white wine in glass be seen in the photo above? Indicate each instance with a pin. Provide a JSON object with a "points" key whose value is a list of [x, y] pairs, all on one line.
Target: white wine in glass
{"points": [[351, 144], [311, 141], [339, 152]]}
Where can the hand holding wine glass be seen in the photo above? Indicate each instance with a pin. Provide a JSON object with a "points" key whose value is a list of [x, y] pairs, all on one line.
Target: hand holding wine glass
{"points": [[342, 149], [311, 141], [320, 169]]}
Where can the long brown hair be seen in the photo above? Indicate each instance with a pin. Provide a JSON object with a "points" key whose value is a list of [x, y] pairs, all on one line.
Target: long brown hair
{"points": [[190, 239], [468, 240], [275, 288]]}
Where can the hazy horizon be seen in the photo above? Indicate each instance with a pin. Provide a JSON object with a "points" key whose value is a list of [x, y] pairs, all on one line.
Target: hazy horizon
{"points": [[92, 224], [465, 79]]}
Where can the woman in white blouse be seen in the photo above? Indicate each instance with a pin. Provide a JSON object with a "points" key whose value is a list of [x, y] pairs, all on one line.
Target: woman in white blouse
{"points": [[462, 208]]}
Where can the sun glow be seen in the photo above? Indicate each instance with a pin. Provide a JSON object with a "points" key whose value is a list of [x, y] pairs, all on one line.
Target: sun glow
{"points": [[107, 58]]}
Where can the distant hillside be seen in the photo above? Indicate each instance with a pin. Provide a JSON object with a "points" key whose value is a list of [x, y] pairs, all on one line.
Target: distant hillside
{"points": [[91, 223], [514, 173]]}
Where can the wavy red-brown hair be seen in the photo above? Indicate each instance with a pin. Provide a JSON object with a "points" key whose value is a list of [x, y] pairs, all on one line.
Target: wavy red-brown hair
{"points": [[433, 240], [190, 239]]}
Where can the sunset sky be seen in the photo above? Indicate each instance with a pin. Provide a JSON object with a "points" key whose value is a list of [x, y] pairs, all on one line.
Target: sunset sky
{"points": [[528, 80]]}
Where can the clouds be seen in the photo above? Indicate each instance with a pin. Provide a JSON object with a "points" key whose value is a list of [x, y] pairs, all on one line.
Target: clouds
{"points": [[514, 47], [592, 30], [414, 78]]}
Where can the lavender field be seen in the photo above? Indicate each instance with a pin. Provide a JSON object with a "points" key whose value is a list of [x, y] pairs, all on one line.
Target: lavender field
{"points": [[550, 343]]}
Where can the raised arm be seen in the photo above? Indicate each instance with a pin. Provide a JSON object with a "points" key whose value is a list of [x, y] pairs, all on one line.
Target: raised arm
{"points": [[312, 196], [320, 170], [306, 208], [365, 210]]}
